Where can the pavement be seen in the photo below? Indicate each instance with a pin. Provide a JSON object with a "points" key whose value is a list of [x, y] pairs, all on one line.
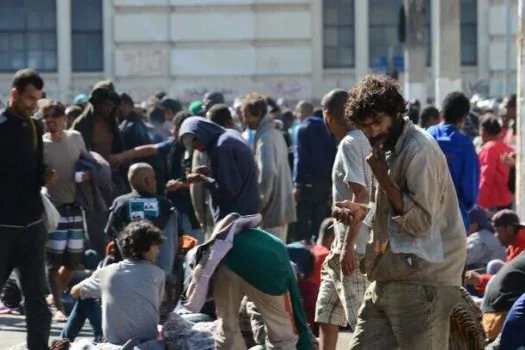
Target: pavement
{"points": [[13, 332]]}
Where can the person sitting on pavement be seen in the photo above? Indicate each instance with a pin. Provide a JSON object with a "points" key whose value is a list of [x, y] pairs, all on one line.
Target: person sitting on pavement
{"points": [[511, 233], [131, 290]]}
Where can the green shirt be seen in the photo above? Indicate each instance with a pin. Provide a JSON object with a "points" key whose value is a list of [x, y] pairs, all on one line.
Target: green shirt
{"points": [[261, 259]]}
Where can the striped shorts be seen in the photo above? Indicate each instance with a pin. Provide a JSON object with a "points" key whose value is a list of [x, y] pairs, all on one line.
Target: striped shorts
{"points": [[339, 298], [65, 245]]}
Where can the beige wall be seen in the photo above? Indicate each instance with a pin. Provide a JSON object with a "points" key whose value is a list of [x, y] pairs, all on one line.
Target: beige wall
{"points": [[188, 47]]}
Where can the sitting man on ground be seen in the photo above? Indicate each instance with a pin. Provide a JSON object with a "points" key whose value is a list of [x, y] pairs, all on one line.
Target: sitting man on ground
{"points": [[131, 290], [142, 203], [511, 234]]}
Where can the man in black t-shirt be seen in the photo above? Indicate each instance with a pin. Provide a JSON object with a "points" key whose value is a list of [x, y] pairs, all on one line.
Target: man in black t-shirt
{"points": [[502, 291]]}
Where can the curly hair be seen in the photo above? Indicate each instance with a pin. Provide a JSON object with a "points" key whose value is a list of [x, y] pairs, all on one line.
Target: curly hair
{"points": [[137, 238], [373, 95]]}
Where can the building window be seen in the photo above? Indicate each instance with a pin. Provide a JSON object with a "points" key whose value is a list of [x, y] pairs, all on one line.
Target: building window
{"points": [[87, 36], [468, 32], [383, 44], [338, 33], [28, 35]]}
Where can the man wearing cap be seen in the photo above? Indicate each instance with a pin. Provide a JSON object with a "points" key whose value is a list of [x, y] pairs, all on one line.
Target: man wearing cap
{"points": [[99, 127], [98, 123], [511, 233]]}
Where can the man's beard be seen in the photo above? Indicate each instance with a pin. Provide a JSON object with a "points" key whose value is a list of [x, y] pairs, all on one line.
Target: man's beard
{"points": [[387, 142]]}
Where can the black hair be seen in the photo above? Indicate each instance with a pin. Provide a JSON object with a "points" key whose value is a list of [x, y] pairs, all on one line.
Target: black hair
{"points": [[273, 107], [491, 124], [428, 113], [126, 99], [334, 103], [456, 106], [220, 114], [137, 238], [156, 115], [373, 95], [173, 105], [25, 77], [159, 95], [53, 109], [180, 118]]}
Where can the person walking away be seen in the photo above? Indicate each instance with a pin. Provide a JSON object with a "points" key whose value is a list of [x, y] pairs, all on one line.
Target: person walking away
{"points": [[271, 155], [341, 292], [494, 192], [62, 149], [417, 253], [22, 174], [313, 161], [459, 150]]}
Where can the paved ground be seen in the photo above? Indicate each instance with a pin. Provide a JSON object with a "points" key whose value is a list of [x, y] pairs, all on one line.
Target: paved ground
{"points": [[13, 330]]}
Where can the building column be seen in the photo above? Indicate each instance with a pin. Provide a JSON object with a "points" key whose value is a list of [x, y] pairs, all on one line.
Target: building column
{"points": [[64, 48], [361, 39], [316, 44], [415, 50], [483, 40], [108, 12], [446, 47]]}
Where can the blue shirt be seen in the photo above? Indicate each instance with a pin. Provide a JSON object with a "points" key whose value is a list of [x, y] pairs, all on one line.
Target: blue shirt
{"points": [[314, 153], [462, 163]]}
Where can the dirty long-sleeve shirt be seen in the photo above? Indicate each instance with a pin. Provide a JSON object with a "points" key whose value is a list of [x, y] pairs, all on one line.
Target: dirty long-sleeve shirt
{"points": [[419, 169]]}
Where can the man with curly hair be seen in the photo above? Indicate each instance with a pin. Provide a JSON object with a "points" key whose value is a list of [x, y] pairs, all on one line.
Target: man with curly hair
{"points": [[131, 291], [417, 253]]}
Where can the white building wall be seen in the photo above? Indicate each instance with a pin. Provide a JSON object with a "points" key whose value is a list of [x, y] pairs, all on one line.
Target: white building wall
{"points": [[189, 47]]}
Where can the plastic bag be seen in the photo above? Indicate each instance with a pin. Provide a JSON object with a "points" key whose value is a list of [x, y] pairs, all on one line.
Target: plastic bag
{"points": [[51, 216], [428, 247]]}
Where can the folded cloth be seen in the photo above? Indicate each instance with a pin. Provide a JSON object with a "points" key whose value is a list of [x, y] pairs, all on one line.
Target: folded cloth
{"points": [[209, 255]]}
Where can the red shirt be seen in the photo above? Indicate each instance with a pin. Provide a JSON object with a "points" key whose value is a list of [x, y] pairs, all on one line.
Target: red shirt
{"points": [[513, 251], [494, 178]]}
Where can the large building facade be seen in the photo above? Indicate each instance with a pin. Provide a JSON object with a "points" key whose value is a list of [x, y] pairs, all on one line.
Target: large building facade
{"points": [[284, 48]]}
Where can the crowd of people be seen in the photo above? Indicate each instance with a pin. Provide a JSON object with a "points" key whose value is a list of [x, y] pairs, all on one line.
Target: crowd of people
{"points": [[256, 226]]}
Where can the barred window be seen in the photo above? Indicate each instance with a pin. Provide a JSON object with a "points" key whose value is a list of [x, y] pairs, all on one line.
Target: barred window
{"points": [[28, 35], [87, 36], [338, 33]]}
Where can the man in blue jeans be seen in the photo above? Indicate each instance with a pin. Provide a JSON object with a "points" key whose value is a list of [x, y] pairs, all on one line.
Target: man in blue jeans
{"points": [[22, 175]]}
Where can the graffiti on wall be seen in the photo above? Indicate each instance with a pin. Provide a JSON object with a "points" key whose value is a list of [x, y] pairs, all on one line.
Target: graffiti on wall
{"points": [[141, 62]]}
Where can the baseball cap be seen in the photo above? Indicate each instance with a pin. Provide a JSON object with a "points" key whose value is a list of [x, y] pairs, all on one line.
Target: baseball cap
{"points": [[195, 107], [80, 99], [506, 218]]}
